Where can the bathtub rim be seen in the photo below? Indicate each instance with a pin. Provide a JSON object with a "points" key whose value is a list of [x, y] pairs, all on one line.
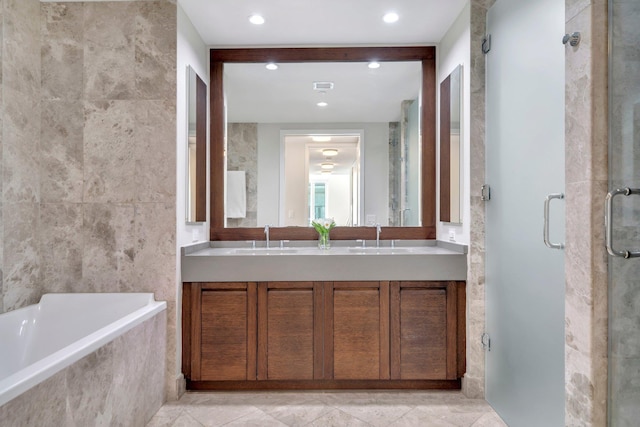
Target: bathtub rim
{"points": [[18, 383]]}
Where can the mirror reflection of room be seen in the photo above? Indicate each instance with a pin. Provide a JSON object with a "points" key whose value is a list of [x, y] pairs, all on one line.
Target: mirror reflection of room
{"points": [[274, 169]]}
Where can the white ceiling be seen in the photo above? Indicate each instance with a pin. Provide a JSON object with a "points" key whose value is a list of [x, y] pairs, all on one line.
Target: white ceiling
{"points": [[224, 23]]}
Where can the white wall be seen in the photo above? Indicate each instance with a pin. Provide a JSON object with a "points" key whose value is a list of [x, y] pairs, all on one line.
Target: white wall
{"points": [[455, 49], [191, 50], [375, 148]]}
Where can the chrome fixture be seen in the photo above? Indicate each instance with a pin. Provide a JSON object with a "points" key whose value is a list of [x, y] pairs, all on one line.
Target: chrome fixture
{"points": [[572, 39], [363, 241], [485, 193], [608, 222], [545, 231], [253, 243], [266, 231], [378, 231], [282, 242]]}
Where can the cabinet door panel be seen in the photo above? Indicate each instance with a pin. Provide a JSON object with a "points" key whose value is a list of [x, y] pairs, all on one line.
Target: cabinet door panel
{"points": [[423, 338], [224, 335], [290, 336], [356, 334]]}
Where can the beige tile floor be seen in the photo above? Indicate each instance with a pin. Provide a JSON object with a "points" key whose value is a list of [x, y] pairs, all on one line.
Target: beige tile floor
{"points": [[372, 408]]}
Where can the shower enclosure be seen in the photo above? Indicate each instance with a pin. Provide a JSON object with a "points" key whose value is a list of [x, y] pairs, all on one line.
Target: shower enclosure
{"points": [[624, 218]]}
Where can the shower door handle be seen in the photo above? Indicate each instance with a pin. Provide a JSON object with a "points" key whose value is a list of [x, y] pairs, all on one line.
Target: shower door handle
{"points": [[608, 222], [545, 230]]}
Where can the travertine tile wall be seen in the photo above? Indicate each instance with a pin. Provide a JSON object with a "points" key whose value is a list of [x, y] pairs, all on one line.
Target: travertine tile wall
{"points": [[473, 382], [586, 176], [88, 155], [242, 155], [21, 283]]}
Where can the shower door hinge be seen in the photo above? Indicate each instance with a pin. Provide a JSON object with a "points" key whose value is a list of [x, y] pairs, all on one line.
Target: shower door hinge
{"points": [[485, 192], [485, 339], [486, 44]]}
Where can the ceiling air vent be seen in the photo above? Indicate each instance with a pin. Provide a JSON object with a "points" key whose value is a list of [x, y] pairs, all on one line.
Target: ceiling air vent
{"points": [[322, 86]]}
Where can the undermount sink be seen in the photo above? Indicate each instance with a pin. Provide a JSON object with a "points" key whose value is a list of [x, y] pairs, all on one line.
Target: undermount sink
{"points": [[380, 250], [264, 251]]}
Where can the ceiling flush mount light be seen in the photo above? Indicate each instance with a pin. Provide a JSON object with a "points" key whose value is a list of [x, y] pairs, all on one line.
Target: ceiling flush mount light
{"points": [[322, 104], [390, 17], [326, 166], [271, 66], [256, 19], [327, 172], [320, 138], [329, 152], [373, 65]]}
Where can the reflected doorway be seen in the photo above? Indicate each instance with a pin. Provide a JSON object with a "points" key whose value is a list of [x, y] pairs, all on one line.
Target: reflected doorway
{"points": [[321, 178]]}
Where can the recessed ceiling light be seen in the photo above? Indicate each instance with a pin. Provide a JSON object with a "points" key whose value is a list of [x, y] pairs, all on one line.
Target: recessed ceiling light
{"points": [[390, 17], [271, 66], [373, 65], [322, 104], [326, 166], [320, 138], [256, 19], [329, 152]]}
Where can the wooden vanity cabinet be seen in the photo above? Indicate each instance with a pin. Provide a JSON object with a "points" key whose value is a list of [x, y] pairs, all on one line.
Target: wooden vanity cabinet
{"points": [[323, 335]]}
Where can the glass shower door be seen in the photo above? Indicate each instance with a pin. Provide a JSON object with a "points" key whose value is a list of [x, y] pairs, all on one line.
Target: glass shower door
{"points": [[525, 163], [624, 172]]}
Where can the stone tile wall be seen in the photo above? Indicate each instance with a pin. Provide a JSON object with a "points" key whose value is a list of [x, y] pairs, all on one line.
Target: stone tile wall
{"points": [[88, 151], [586, 176], [473, 382]]}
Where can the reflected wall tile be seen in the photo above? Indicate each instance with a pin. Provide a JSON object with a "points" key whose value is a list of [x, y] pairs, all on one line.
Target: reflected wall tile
{"points": [[109, 160], [109, 50], [21, 269], [60, 239], [21, 44], [61, 171], [109, 247], [155, 151], [62, 52], [155, 47]]}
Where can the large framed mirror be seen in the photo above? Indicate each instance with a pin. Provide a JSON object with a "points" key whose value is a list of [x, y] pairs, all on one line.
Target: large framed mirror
{"points": [[450, 147], [196, 209], [249, 150]]}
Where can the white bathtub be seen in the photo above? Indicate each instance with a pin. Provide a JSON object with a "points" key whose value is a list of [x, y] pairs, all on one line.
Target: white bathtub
{"points": [[38, 341]]}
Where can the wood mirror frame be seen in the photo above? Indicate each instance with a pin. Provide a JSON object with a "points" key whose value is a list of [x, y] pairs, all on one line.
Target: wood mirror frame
{"points": [[425, 54]]}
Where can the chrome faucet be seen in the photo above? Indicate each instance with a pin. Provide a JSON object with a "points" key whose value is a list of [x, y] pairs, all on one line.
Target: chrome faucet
{"points": [[378, 231], [266, 231]]}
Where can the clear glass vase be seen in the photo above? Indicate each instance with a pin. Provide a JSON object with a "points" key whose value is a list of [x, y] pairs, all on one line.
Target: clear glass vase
{"points": [[324, 242]]}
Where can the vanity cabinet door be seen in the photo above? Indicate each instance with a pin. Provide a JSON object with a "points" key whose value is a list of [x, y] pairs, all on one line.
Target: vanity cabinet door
{"points": [[356, 330], [289, 331], [224, 331], [424, 330]]}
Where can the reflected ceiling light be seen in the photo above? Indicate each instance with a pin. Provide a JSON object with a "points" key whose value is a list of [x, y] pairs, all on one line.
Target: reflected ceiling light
{"points": [[322, 104], [256, 19], [329, 152], [320, 138], [326, 166], [390, 17], [271, 66], [327, 172], [373, 65]]}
